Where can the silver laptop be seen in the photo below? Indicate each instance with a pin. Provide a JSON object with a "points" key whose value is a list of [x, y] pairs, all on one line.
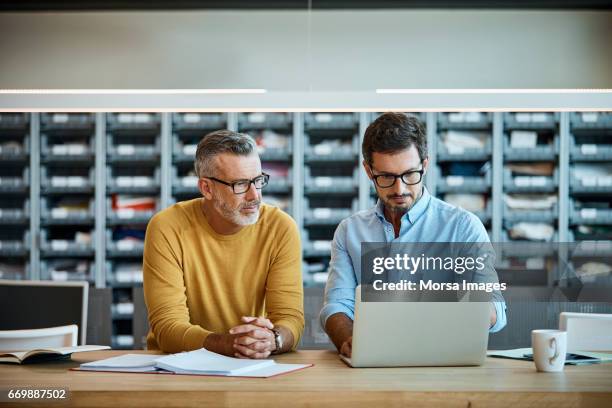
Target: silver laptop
{"points": [[401, 334]]}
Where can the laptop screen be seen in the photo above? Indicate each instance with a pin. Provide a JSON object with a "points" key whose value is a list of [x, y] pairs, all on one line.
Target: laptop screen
{"points": [[37, 305]]}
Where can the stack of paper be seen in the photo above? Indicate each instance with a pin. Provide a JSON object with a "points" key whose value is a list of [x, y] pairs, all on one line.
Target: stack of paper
{"points": [[470, 202], [464, 139], [530, 201], [532, 231]]}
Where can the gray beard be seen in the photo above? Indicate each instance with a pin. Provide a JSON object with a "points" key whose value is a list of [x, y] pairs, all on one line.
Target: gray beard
{"points": [[233, 215]]}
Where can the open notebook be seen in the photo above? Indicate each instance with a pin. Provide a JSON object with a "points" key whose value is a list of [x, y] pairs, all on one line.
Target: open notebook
{"points": [[197, 362]]}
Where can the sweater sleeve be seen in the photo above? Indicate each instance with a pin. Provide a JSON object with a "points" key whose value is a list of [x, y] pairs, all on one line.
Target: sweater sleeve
{"points": [[164, 291], [284, 287]]}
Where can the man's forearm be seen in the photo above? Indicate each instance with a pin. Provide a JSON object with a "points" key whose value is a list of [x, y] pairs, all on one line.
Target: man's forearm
{"points": [[339, 327], [220, 343]]}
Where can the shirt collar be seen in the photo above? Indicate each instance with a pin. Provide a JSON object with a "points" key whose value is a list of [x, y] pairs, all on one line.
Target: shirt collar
{"points": [[413, 214]]}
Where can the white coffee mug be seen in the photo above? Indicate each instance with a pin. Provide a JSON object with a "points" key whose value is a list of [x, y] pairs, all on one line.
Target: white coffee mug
{"points": [[549, 348]]}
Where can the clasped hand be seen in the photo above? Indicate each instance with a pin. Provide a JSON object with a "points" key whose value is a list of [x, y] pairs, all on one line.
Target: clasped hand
{"points": [[254, 338]]}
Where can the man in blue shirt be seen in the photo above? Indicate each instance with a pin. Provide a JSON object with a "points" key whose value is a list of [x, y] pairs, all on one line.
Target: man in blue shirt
{"points": [[395, 159]]}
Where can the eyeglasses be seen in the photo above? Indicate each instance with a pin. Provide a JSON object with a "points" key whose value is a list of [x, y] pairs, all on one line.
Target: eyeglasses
{"points": [[242, 186], [387, 180]]}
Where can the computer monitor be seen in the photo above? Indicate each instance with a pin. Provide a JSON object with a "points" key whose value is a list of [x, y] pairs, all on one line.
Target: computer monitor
{"points": [[38, 304]]}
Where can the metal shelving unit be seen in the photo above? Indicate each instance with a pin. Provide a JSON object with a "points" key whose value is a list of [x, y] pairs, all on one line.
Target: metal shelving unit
{"points": [[318, 180], [15, 209], [331, 185], [134, 174], [67, 202]]}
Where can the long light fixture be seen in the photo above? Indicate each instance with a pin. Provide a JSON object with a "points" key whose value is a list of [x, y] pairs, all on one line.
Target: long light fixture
{"points": [[131, 91], [492, 91]]}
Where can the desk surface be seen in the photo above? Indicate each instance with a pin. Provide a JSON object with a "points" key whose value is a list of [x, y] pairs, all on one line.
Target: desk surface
{"points": [[499, 382]]}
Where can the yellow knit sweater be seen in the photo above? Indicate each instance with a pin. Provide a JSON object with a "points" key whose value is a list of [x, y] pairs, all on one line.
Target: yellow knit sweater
{"points": [[198, 282]]}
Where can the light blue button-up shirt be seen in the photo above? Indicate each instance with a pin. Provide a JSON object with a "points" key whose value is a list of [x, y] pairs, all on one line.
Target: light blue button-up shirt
{"points": [[429, 220]]}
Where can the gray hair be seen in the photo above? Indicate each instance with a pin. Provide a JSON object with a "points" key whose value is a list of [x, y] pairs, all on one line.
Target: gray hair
{"points": [[218, 142]]}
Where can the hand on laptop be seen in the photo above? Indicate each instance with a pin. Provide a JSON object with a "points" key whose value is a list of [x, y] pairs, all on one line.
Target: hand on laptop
{"points": [[347, 347], [254, 338]]}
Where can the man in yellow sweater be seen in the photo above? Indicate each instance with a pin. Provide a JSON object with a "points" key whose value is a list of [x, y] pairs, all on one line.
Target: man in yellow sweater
{"points": [[224, 271]]}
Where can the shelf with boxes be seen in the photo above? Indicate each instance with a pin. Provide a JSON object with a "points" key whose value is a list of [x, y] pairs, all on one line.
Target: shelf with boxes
{"points": [[67, 202], [531, 176], [93, 212], [273, 134], [187, 131], [14, 195], [590, 211], [331, 185], [133, 196], [462, 168]]}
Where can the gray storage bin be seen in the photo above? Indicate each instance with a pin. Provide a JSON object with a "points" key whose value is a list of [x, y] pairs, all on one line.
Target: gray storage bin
{"points": [[590, 120], [13, 215], [526, 248], [465, 120], [331, 121], [530, 184], [591, 185], [15, 247], [183, 185], [20, 152], [315, 248], [531, 120], [327, 216], [82, 122], [461, 154], [65, 247], [326, 152], [119, 275], [330, 184], [15, 184], [547, 216], [590, 216], [590, 151], [117, 153], [128, 216], [133, 184], [14, 121], [145, 123], [61, 184], [193, 121], [124, 248], [68, 152], [537, 153], [182, 152], [51, 270], [464, 184], [59, 216], [264, 120]]}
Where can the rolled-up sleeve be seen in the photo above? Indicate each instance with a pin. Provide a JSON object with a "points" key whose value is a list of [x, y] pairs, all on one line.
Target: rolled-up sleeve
{"points": [[341, 281], [500, 323], [476, 233]]}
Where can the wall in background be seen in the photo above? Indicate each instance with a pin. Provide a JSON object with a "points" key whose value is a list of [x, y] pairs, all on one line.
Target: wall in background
{"points": [[347, 50]]}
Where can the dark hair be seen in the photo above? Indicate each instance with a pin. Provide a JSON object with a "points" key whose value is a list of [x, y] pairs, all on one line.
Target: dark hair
{"points": [[217, 142], [393, 132]]}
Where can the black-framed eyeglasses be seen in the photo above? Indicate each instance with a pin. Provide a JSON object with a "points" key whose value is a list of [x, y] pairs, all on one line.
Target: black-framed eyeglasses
{"points": [[387, 180], [242, 186]]}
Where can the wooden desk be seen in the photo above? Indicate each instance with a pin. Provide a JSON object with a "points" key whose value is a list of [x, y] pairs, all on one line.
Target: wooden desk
{"points": [[329, 383]]}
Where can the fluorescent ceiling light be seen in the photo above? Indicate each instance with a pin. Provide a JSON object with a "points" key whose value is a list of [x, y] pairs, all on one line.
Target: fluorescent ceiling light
{"points": [[131, 91], [492, 91]]}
